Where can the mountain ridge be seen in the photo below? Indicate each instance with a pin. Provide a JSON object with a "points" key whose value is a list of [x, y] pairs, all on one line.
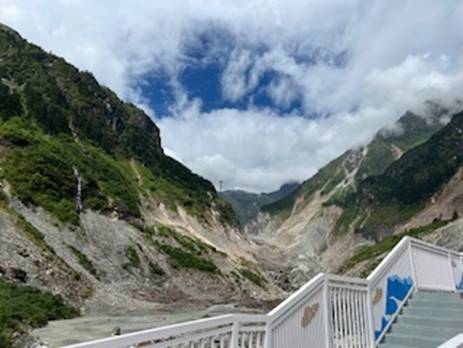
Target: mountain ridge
{"points": [[247, 204]]}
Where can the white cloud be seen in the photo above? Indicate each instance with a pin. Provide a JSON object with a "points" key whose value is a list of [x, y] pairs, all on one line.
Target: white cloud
{"points": [[378, 58]]}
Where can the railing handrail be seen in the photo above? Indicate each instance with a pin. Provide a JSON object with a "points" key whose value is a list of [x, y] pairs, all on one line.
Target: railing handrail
{"points": [[388, 260], [434, 247], [174, 329], [280, 312]]}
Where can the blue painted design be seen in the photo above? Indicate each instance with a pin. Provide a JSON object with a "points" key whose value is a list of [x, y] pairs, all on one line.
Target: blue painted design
{"points": [[460, 284], [397, 289]]}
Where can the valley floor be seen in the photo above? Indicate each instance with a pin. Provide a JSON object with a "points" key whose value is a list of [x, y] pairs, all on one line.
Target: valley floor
{"points": [[94, 326]]}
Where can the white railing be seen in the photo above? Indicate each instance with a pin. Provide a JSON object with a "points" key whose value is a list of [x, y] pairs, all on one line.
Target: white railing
{"points": [[329, 311], [455, 342]]}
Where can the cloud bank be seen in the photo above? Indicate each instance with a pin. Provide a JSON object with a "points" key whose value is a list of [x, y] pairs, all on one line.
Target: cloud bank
{"points": [[349, 66]]}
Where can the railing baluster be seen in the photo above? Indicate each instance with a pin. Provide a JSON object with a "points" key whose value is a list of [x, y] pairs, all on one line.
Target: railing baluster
{"points": [[358, 333], [339, 323]]}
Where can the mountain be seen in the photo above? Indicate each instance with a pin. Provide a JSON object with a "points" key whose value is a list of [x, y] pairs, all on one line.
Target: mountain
{"points": [[247, 204], [92, 209], [354, 199], [421, 180], [347, 171]]}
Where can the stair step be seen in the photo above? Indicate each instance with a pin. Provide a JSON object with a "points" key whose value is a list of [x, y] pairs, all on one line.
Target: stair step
{"points": [[428, 303], [444, 313], [425, 331], [430, 321], [387, 345], [437, 296], [395, 339]]}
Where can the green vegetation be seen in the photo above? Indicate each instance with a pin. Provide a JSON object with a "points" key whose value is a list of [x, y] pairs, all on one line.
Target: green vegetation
{"points": [[254, 276], [185, 259], [132, 256], [193, 245], [155, 269], [372, 253], [340, 197], [249, 271], [380, 155], [41, 172], [23, 306], [10, 102], [183, 251], [85, 262]]}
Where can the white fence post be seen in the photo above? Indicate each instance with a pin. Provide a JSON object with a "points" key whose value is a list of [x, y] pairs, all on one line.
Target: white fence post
{"points": [[268, 335], [452, 274], [235, 334], [412, 264], [371, 324], [326, 301]]}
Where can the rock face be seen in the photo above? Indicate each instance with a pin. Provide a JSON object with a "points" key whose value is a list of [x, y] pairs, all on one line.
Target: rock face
{"points": [[91, 207]]}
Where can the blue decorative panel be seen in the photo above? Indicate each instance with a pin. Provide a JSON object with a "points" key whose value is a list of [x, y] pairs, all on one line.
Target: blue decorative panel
{"points": [[397, 290]]}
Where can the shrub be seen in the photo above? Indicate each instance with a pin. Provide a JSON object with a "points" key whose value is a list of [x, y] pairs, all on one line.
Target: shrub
{"points": [[254, 277], [132, 256], [184, 259], [22, 306], [155, 269], [85, 262]]}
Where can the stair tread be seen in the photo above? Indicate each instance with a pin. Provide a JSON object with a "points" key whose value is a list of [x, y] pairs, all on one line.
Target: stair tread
{"points": [[429, 302], [428, 327], [408, 315], [425, 331], [402, 335]]}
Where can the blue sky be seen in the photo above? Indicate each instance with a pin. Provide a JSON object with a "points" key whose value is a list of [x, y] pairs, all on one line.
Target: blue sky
{"points": [[257, 93]]}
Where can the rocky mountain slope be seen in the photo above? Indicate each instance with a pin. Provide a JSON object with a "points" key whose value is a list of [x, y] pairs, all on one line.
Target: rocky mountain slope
{"points": [[90, 206], [247, 204], [393, 184]]}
